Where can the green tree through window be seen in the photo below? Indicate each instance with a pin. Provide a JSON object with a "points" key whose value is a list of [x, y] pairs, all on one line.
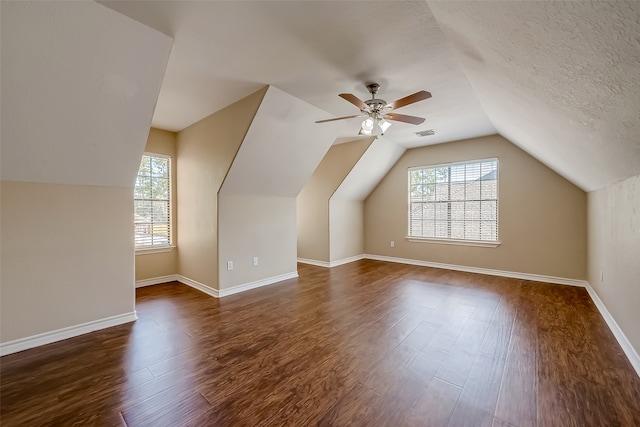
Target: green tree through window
{"points": [[152, 202]]}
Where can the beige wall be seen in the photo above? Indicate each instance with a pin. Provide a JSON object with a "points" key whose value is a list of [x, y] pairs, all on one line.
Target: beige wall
{"points": [[254, 226], [542, 216], [312, 214], [312, 221], [346, 228], [313, 201], [66, 256], [205, 151], [166, 263], [614, 253], [257, 201]]}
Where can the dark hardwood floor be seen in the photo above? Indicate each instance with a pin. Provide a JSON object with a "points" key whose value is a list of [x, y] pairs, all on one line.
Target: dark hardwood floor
{"points": [[368, 343]]}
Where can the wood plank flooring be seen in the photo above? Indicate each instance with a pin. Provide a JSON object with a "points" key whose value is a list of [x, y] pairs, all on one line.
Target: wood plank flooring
{"points": [[365, 344]]}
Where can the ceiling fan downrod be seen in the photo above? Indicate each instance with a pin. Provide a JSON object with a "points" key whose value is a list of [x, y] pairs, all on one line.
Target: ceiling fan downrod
{"points": [[373, 89], [375, 104]]}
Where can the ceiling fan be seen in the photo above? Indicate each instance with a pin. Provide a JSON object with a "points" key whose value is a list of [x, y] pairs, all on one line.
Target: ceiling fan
{"points": [[377, 111]]}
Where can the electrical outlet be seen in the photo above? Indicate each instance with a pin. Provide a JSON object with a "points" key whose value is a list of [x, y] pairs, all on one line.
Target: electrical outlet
{"points": [[255, 261], [393, 244], [229, 265]]}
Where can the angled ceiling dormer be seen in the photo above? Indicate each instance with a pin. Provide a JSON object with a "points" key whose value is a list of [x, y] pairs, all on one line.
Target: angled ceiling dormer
{"points": [[79, 87], [313, 203], [281, 149], [369, 170], [257, 200]]}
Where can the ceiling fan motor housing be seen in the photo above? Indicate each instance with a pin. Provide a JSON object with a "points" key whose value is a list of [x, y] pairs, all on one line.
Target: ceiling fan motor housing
{"points": [[373, 88], [375, 105]]}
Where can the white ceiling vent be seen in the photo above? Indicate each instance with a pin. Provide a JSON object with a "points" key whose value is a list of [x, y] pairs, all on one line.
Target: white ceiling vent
{"points": [[426, 132]]}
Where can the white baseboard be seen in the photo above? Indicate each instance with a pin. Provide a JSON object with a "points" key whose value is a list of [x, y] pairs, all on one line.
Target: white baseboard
{"points": [[156, 280], [235, 289], [257, 284], [314, 262], [64, 333], [197, 285], [331, 263], [489, 271], [624, 342], [346, 260]]}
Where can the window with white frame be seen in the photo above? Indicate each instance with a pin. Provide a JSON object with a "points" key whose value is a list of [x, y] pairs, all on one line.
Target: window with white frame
{"points": [[455, 201], [152, 202]]}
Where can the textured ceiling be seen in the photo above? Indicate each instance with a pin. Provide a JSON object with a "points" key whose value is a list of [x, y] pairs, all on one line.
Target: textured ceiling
{"points": [[560, 79], [312, 50], [79, 84]]}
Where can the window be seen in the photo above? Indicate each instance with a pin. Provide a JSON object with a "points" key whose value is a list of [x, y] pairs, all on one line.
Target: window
{"points": [[151, 202], [456, 201]]}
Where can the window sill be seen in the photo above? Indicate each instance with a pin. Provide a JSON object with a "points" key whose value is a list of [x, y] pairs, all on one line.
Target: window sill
{"points": [[154, 250], [479, 243]]}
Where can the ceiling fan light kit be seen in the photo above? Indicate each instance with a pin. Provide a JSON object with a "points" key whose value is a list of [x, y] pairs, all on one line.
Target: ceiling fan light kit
{"points": [[374, 127], [377, 111]]}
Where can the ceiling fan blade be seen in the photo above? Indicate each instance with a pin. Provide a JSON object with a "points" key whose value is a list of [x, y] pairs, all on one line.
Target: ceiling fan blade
{"points": [[338, 118], [418, 96], [404, 118], [354, 100]]}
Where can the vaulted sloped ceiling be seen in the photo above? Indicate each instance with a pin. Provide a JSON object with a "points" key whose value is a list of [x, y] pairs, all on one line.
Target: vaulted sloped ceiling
{"points": [[79, 87], [560, 79], [312, 50]]}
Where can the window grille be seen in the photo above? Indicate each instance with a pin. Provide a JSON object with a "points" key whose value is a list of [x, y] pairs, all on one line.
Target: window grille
{"points": [[152, 202], [456, 201]]}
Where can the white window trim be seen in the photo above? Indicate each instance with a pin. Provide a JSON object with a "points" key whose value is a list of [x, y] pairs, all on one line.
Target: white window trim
{"points": [[156, 249], [459, 242], [478, 243], [461, 162]]}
